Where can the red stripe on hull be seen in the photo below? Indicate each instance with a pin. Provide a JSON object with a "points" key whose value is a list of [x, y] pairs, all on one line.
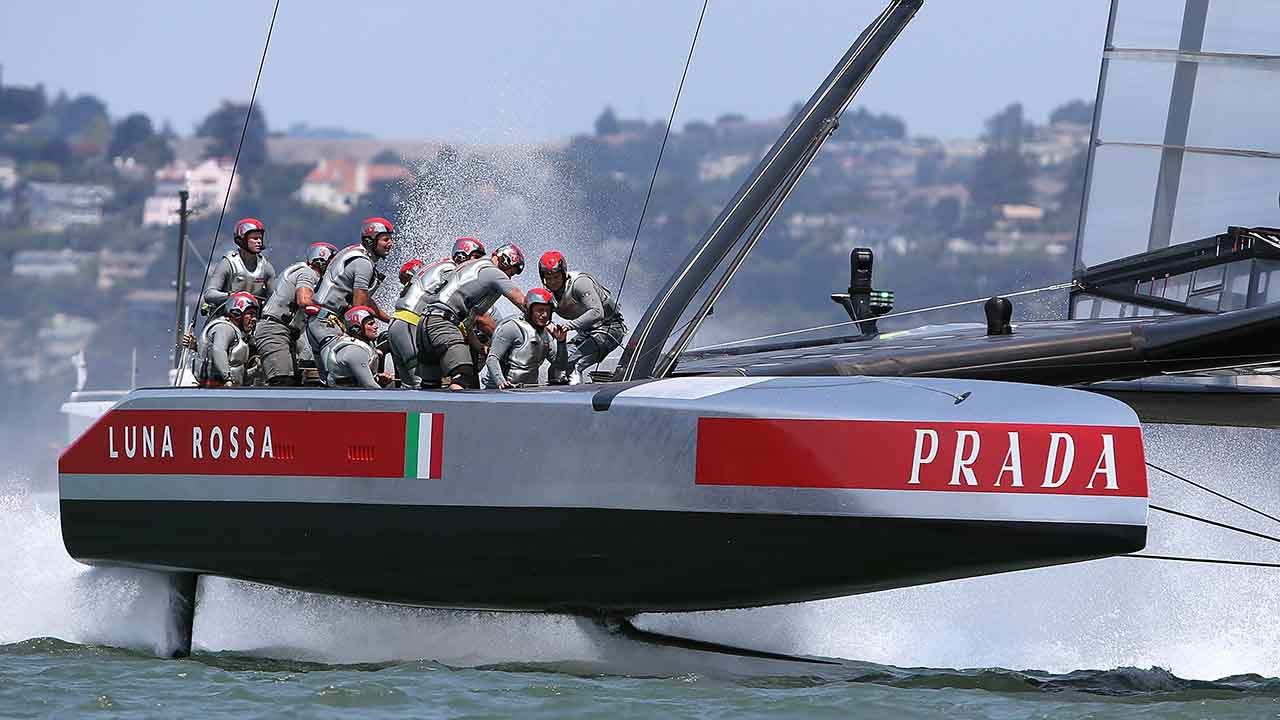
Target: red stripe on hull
{"points": [[437, 446], [894, 455], [240, 442]]}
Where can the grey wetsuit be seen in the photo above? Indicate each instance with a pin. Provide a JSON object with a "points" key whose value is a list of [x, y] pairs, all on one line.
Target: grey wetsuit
{"points": [[348, 361], [224, 353], [234, 274], [278, 334], [473, 289], [403, 328], [594, 316], [350, 270], [517, 353]]}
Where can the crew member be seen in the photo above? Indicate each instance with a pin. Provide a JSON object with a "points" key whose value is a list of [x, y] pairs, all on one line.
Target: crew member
{"points": [[350, 357], [521, 344], [244, 269], [350, 280], [404, 321], [591, 311], [278, 335], [224, 343], [472, 289], [478, 328], [427, 280], [467, 248]]}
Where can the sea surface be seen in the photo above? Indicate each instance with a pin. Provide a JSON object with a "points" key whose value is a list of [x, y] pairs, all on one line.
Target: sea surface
{"points": [[51, 677], [1111, 638]]}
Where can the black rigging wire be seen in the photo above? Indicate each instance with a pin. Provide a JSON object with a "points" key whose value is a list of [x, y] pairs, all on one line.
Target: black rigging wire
{"points": [[1189, 516], [1207, 561], [236, 162], [661, 149], [1215, 523], [1213, 492]]}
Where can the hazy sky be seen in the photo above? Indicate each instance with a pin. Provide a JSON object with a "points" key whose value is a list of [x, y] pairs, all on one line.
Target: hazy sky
{"points": [[519, 71]]}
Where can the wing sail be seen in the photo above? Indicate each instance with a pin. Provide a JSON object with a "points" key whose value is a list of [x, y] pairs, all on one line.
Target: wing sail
{"points": [[1182, 147]]}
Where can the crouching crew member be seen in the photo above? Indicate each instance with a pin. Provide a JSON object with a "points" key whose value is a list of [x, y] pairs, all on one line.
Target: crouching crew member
{"points": [[521, 344], [224, 343], [349, 281], [472, 289], [402, 329], [278, 335], [427, 280], [350, 358], [591, 311], [245, 269]]}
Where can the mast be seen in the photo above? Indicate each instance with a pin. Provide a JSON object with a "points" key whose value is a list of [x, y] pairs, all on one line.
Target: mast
{"points": [[180, 311], [758, 199]]}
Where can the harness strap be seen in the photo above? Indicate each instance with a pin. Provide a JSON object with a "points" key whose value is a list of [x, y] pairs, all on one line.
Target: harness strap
{"points": [[408, 316]]}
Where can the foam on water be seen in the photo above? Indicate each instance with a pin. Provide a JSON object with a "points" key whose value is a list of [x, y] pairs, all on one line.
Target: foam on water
{"points": [[46, 593]]}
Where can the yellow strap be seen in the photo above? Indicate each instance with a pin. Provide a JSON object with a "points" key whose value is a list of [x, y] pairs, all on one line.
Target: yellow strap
{"points": [[408, 316]]}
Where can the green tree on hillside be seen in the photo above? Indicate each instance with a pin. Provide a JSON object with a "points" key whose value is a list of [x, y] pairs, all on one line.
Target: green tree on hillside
{"points": [[135, 137], [21, 105], [866, 125], [607, 122], [82, 122], [1007, 128], [1076, 111], [1002, 175], [224, 126]]}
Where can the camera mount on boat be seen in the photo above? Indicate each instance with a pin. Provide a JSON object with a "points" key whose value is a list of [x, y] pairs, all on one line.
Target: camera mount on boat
{"points": [[862, 302]]}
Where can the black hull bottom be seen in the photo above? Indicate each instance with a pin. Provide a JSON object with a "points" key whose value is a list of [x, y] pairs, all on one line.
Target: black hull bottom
{"points": [[570, 560]]}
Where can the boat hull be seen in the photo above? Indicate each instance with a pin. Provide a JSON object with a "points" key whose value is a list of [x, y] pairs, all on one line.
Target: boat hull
{"points": [[569, 559], [688, 494]]}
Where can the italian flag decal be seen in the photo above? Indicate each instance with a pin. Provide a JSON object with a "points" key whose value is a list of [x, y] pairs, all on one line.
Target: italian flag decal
{"points": [[424, 446]]}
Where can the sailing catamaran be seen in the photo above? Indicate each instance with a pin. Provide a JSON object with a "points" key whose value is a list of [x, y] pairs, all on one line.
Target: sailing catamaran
{"points": [[724, 478]]}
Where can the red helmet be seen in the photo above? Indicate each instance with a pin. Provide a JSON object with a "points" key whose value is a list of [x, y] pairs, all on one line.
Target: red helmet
{"points": [[537, 296], [509, 256], [410, 270], [357, 316], [244, 226], [375, 226], [552, 261], [321, 253], [239, 303], [467, 248]]}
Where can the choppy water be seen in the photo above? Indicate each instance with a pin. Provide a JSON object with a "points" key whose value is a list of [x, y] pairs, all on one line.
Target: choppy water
{"points": [[50, 677], [1108, 638]]}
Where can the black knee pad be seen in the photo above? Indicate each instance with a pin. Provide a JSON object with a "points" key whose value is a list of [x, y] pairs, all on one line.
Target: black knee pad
{"points": [[465, 375], [282, 381]]}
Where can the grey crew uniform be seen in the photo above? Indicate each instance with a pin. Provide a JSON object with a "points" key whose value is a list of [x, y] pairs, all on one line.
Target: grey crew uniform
{"points": [[278, 334], [224, 353], [402, 331], [517, 353], [350, 270], [234, 275], [472, 290], [349, 360], [596, 318]]}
